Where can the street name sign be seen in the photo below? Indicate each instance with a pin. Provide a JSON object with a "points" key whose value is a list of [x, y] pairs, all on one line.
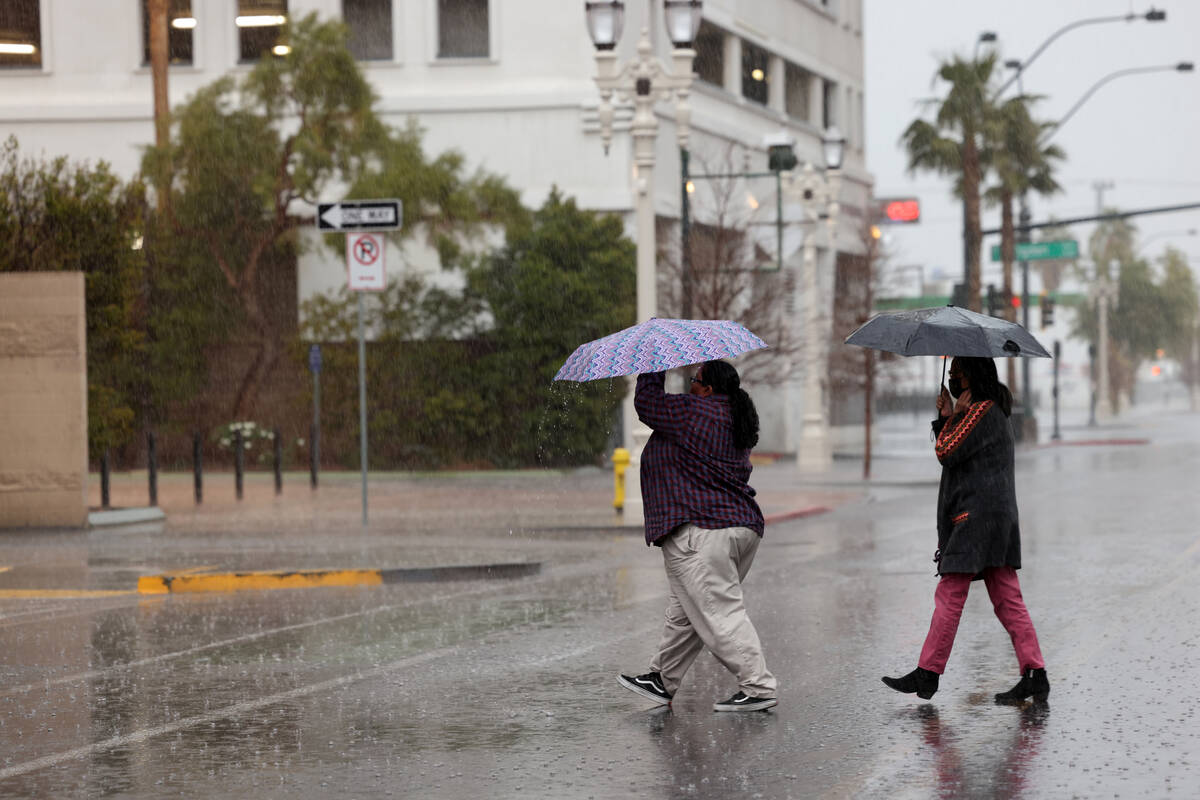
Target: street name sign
{"points": [[1042, 251], [359, 215], [364, 262]]}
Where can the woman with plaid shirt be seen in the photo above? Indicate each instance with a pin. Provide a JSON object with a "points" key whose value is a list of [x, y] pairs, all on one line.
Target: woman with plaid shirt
{"points": [[700, 510]]}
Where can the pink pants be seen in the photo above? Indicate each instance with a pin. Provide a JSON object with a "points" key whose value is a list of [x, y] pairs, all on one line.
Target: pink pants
{"points": [[1005, 592]]}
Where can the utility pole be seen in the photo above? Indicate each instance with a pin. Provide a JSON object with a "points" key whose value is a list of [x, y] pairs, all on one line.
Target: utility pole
{"points": [[1104, 292], [1100, 187], [1023, 219], [157, 12]]}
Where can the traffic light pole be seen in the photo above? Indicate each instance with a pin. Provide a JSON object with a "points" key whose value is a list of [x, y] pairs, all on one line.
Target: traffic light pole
{"points": [[1057, 355], [1023, 237]]}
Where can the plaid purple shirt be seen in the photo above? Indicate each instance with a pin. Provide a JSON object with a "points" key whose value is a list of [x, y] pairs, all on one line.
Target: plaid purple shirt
{"points": [[691, 471]]}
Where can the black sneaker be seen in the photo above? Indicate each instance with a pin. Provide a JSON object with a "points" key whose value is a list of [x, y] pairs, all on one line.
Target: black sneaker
{"points": [[743, 702], [649, 686]]}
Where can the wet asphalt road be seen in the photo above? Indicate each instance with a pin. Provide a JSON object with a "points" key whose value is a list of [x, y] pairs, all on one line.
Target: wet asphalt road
{"points": [[507, 689]]}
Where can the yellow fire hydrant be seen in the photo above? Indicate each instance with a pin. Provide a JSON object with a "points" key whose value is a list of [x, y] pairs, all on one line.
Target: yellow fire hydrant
{"points": [[620, 464]]}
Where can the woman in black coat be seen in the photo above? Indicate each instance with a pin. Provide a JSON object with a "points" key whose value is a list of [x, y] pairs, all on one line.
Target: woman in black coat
{"points": [[978, 535]]}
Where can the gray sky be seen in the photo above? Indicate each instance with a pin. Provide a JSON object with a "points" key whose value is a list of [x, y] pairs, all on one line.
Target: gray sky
{"points": [[1140, 132]]}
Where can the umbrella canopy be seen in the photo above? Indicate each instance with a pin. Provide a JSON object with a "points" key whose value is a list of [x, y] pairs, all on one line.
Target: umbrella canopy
{"points": [[658, 345], [946, 331]]}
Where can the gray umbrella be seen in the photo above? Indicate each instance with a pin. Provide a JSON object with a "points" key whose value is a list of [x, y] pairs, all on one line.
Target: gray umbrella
{"points": [[946, 331]]}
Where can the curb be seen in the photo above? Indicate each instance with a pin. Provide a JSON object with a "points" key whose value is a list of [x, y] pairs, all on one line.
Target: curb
{"points": [[1091, 443], [639, 530], [310, 579], [124, 516], [798, 513]]}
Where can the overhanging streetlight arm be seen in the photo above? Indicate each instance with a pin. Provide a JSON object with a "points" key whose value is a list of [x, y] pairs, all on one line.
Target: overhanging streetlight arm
{"points": [[1106, 79], [1041, 48]]}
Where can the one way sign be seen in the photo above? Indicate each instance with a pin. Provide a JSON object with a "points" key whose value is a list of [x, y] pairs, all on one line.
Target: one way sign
{"points": [[359, 215]]}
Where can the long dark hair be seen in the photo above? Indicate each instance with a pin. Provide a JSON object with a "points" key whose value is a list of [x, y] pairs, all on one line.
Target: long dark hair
{"points": [[985, 382], [723, 379]]}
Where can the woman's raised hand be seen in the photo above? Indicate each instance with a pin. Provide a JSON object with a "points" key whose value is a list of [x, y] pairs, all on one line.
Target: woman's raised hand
{"points": [[944, 403]]}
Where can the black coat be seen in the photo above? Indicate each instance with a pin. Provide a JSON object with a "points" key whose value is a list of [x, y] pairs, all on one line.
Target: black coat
{"points": [[977, 501]]}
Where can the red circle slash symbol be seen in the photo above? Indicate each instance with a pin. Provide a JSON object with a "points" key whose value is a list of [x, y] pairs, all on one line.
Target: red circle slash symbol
{"points": [[365, 251]]}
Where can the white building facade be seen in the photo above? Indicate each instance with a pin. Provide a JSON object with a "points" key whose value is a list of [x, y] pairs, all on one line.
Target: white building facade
{"points": [[508, 83]]}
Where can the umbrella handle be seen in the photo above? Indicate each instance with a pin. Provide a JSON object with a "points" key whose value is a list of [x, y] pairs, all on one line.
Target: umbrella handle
{"points": [[943, 383]]}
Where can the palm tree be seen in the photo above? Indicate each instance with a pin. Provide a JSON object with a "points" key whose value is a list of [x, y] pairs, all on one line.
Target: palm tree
{"points": [[1021, 164], [952, 144]]}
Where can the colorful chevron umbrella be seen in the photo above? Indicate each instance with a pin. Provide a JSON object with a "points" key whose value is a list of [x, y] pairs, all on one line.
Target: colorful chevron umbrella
{"points": [[658, 345]]}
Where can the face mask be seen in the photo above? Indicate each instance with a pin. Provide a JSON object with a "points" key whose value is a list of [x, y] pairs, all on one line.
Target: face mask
{"points": [[955, 386]]}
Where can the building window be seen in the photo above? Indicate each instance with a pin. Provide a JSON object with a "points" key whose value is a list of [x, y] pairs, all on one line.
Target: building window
{"points": [[796, 82], [710, 54], [370, 24], [754, 73], [260, 25], [180, 24], [20, 34], [463, 29], [829, 104]]}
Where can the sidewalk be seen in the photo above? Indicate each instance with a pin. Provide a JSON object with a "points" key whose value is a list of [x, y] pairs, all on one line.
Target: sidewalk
{"points": [[506, 521]]}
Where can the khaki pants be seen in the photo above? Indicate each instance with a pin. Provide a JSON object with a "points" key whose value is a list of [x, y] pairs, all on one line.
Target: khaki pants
{"points": [[705, 569]]}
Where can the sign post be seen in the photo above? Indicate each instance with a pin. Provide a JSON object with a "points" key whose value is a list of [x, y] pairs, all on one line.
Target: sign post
{"points": [[314, 435], [365, 272]]}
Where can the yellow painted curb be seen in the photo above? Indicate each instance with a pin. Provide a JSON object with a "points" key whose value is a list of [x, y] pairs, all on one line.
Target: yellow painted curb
{"points": [[59, 594], [241, 581]]}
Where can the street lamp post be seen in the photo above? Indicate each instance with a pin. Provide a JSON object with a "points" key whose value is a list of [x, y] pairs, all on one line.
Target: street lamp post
{"points": [[1105, 406], [1103, 292], [1163, 234], [986, 37], [817, 193], [1153, 15], [1181, 66], [642, 80]]}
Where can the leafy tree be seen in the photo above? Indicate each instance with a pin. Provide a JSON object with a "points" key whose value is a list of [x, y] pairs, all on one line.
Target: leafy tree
{"points": [[466, 378], [567, 279], [1181, 312], [953, 144], [1151, 313], [1021, 164], [60, 216], [250, 157]]}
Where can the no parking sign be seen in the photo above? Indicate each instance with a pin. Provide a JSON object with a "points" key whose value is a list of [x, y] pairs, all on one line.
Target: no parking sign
{"points": [[364, 262]]}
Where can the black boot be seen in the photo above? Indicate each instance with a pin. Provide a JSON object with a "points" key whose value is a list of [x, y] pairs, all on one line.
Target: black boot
{"points": [[1033, 683], [921, 681]]}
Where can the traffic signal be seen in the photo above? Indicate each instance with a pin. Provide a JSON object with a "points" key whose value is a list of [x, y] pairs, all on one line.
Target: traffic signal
{"points": [[897, 210], [958, 297], [1047, 303], [993, 301]]}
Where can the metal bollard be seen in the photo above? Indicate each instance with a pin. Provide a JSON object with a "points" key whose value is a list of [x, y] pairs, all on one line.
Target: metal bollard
{"points": [[239, 464], [278, 462], [620, 464], [197, 468], [152, 466], [104, 484], [314, 452]]}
